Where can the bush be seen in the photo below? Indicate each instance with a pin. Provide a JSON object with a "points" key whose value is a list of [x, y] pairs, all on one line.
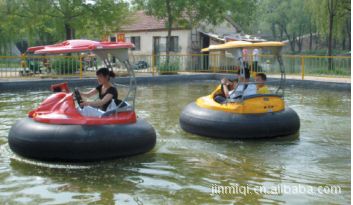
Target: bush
{"points": [[33, 65], [65, 66], [322, 52], [171, 68]]}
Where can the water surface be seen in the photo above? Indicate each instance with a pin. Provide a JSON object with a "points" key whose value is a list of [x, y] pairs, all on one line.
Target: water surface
{"points": [[183, 167]]}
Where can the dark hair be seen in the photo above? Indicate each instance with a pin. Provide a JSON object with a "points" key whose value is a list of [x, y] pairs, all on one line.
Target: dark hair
{"points": [[105, 72], [262, 75], [234, 80]]}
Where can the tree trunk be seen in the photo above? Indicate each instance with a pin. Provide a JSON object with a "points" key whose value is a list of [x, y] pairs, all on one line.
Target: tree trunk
{"points": [[334, 43], [73, 33], [331, 10], [169, 27], [273, 29], [292, 43], [68, 31], [311, 39], [299, 39], [348, 29], [300, 44], [344, 43], [291, 40], [317, 41], [281, 35]]}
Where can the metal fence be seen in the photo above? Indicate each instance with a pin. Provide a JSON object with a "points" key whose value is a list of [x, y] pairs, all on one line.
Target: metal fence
{"points": [[85, 66]]}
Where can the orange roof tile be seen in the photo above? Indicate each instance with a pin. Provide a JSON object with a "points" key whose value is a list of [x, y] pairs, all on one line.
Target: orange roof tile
{"points": [[144, 22]]}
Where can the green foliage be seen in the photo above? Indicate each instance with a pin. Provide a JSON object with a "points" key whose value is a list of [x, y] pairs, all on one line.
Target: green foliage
{"points": [[321, 52], [48, 21], [187, 13], [286, 20], [293, 19], [104, 17], [33, 65], [246, 17], [320, 12], [65, 66], [168, 67]]}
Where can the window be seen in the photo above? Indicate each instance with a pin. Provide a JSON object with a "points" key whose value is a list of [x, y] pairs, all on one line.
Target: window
{"points": [[112, 39], [174, 43], [136, 41]]}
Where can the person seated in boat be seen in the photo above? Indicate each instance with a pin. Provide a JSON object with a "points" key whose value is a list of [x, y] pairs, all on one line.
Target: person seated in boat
{"points": [[228, 89], [108, 94], [260, 80], [245, 88]]}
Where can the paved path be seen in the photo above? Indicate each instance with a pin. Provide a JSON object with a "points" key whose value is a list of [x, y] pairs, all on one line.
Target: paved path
{"points": [[292, 77], [317, 78], [333, 79]]}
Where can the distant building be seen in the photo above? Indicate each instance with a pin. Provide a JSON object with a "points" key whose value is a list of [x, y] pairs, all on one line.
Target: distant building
{"points": [[149, 35]]}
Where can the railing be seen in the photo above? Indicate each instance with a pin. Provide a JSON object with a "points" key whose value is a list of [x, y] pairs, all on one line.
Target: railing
{"points": [[40, 66], [85, 66]]}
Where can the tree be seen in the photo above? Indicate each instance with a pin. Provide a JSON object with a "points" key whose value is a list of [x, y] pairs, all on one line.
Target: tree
{"points": [[163, 9], [97, 18], [244, 13], [331, 17], [49, 21], [103, 18], [186, 13], [289, 18], [8, 32], [67, 12]]}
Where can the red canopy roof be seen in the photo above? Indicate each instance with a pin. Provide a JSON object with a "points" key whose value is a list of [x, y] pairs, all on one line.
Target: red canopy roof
{"points": [[71, 46]]}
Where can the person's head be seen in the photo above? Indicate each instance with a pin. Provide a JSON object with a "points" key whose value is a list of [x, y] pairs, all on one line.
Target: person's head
{"points": [[233, 84], [104, 75], [260, 78]]}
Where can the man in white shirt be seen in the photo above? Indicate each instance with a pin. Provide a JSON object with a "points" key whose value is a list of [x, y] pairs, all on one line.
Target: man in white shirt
{"points": [[243, 89]]}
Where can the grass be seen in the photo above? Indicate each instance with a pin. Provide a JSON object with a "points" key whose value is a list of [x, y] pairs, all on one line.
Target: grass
{"points": [[321, 52]]}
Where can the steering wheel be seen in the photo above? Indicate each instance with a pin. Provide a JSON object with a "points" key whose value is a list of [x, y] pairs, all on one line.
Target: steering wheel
{"points": [[78, 97]]}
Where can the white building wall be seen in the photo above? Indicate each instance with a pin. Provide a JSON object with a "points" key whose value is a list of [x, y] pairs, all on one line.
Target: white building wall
{"points": [[146, 40], [184, 41], [146, 46]]}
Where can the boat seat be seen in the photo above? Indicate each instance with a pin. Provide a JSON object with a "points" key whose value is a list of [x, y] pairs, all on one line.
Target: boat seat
{"points": [[239, 98], [261, 95], [123, 108]]}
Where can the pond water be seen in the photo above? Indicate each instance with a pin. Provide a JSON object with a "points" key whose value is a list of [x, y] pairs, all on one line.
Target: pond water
{"points": [[184, 168]]}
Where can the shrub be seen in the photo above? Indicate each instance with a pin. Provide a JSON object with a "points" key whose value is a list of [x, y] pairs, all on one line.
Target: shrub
{"points": [[33, 65], [171, 68], [65, 66]]}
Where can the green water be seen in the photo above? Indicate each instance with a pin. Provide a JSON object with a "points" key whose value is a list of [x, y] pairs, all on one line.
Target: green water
{"points": [[182, 168]]}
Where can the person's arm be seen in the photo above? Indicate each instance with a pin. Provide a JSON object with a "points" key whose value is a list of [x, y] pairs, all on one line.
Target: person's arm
{"points": [[225, 81], [89, 93], [226, 90], [99, 103]]}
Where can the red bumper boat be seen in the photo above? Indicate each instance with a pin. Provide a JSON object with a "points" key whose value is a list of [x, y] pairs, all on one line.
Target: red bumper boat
{"points": [[56, 130]]}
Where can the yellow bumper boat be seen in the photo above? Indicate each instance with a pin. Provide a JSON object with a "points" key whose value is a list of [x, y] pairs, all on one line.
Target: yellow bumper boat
{"points": [[252, 116]]}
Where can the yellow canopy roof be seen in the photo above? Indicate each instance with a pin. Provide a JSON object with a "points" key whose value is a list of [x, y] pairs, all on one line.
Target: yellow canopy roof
{"points": [[243, 44]]}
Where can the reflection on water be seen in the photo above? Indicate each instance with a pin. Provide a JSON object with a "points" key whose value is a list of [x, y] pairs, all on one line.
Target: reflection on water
{"points": [[183, 167]]}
